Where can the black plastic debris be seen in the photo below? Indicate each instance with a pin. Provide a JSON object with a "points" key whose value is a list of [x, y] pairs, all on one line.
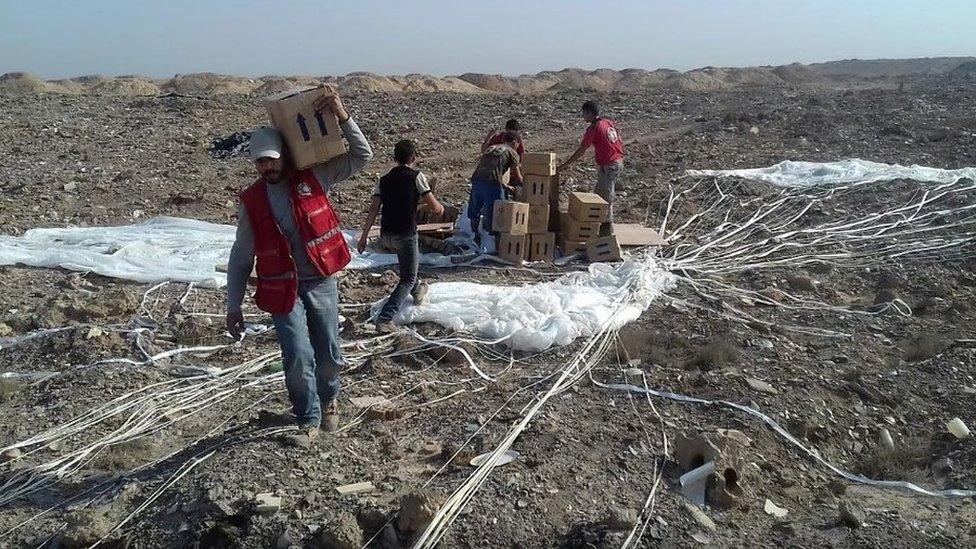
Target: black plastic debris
{"points": [[234, 144]]}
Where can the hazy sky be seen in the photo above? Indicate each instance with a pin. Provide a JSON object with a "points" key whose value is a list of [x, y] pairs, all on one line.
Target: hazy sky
{"points": [[250, 37]]}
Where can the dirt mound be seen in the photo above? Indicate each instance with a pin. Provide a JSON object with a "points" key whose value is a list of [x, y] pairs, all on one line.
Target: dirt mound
{"points": [[90, 80], [368, 82], [208, 83], [969, 67], [579, 79], [129, 85], [427, 83], [272, 84], [23, 83], [491, 82], [637, 79], [876, 68], [68, 86], [696, 80], [794, 73]]}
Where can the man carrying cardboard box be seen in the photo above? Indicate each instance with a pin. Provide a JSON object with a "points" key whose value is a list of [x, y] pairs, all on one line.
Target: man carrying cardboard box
{"points": [[603, 136], [287, 223], [488, 181]]}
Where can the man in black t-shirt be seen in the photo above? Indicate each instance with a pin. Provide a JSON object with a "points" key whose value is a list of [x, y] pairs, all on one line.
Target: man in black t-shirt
{"points": [[397, 195]]}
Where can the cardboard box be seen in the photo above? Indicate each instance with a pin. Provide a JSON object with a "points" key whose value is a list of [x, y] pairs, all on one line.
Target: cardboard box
{"points": [[311, 137], [538, 218], [539, 164], [568, 246], [537, 189], [588, 207], [510, 217], [603, 249], [574, 229], [512, 247], [542, 247]]}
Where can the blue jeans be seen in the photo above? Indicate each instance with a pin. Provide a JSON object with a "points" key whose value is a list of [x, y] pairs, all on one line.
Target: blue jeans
{"points": [[481, 203], [310, 351], [408, 256]]}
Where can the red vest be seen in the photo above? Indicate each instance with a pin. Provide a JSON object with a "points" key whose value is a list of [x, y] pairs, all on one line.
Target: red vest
{"points": [[319, 226]]}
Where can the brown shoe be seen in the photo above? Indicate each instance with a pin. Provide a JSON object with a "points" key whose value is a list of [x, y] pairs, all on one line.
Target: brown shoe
{"points": [[330, 418], [304, 438]]}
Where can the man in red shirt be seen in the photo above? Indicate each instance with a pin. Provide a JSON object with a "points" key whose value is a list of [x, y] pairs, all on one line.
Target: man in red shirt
{"points": [[603, 136], [496, 137]]}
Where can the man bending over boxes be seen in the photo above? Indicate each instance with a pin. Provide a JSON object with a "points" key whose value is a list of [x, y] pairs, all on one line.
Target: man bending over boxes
{"points": [[496, 137], [602, 135], [488, 182]]}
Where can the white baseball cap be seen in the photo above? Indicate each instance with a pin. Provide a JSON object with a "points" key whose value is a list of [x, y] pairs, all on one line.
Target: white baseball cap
{"points": [[266, 143]]}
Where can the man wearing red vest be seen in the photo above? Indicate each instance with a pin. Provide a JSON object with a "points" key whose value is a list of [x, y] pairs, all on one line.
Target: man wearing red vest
{"points": [[608, 147], [286, 222]]}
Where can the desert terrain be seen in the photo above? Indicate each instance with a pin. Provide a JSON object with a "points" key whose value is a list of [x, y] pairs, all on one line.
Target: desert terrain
{"points": [[184, 450]]}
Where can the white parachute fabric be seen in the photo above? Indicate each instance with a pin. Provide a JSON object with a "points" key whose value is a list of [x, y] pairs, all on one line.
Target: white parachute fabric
{"points": [[538, 316], [844, 172], [159, 249]]}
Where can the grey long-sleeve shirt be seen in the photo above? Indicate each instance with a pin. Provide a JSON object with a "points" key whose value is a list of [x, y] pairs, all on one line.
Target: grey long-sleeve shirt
{"points": [[279, 196]]}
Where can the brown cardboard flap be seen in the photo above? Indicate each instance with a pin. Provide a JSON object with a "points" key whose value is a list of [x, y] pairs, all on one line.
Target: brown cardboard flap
{"points": [[633, 234], [430, 229]]}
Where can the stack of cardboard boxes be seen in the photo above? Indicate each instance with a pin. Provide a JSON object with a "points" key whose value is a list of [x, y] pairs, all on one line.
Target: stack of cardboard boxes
{"points": [[581, 228], [526, 227]]}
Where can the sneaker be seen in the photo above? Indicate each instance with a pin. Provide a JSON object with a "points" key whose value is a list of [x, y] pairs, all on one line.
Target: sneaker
{"points": [[385, 326], [306, 435], [420, 294], [330, 418]]}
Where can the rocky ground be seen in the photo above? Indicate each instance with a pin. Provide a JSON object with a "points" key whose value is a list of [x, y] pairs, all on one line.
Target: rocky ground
{"points": [[587, 462]]}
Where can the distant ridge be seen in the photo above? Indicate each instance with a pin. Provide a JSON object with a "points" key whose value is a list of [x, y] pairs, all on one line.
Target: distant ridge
{"points": [[600, 80]]}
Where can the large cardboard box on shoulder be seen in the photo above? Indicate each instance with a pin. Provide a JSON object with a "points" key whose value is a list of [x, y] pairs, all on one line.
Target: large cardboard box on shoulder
{"points": [[510, 217], [312, 137]]}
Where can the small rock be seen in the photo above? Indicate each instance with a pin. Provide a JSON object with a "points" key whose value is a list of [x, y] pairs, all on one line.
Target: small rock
{"points": [[341, 533], [837, 487], [784, 527], [70, 186], [10, 455], [620, 520], [267, 504], [431, 449], [371, 519], [284, 541], [802, 283], [850, 516], [416, 512], [941, 467], [761, 386], [699, 516], [885, 440], [775, 510]]}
